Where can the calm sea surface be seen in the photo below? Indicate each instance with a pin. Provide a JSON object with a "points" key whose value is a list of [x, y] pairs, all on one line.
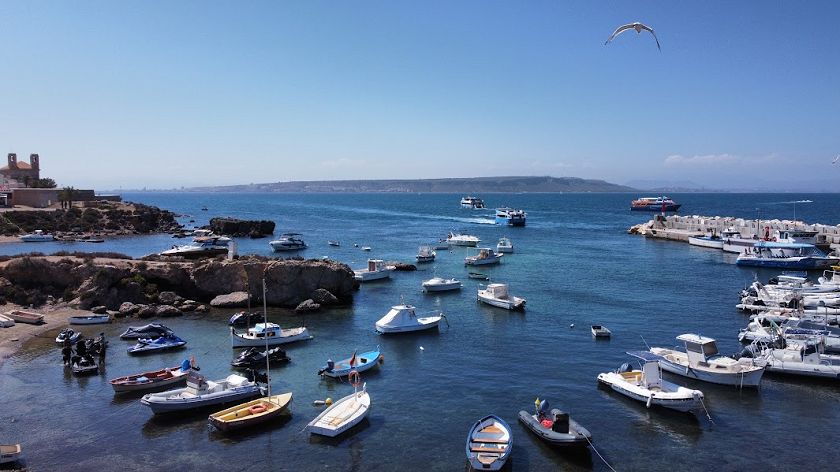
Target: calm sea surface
{"points": [[574, 263]]}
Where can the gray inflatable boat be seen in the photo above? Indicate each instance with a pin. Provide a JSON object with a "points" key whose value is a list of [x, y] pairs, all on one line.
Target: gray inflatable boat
{"points": [[556, 428]]}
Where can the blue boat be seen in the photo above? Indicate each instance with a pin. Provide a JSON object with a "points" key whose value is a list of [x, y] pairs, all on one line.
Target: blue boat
{"points": [[661, 204], [489, 443], [162, 343], [359, 363], [510, 217], [791, 256]]}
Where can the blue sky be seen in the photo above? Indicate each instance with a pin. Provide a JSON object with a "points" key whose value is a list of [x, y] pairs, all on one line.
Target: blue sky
{"points": [[169, 94]]}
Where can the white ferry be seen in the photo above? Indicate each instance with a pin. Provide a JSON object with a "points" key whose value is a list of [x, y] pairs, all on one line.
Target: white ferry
{"points": [[473, 203]]}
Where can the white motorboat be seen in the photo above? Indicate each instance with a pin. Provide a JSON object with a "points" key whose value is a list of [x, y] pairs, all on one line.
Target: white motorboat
{"points": [[334, 243], [439, 284], [37, 236], [510, 217], [209, 246], [455, 239], [485, 256], [497, 295], [600, 331], [473, 203], [366, 248], [711, 241], [798, 358], [734, 242], [701, 361], [504, 245], [489, 443], [68, 334], [425, 254], [341, 415], [267, 334], [6, 322], [200, 393], [375, 270], [791, 256], [288, 242], [89, 319], [799, 283], [403, 319], [648, 386]]}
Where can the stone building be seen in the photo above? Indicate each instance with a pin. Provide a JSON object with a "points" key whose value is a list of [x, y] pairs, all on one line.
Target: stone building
{"points": [[21, 171]]}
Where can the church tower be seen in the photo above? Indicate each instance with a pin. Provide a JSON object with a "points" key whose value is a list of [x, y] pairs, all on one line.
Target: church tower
{"points": [[33, 161]]}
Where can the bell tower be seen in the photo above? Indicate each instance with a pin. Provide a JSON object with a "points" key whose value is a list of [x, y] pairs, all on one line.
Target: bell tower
{"points": [[34, 162], [12, 160]]}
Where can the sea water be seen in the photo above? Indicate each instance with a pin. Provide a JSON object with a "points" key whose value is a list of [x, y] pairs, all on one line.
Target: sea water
{"points": [[573, 262]]}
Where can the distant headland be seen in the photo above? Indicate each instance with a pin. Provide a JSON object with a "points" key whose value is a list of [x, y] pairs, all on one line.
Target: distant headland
{"points": [[453, 185]]}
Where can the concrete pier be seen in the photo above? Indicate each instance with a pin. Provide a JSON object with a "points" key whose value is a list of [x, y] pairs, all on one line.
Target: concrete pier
{"points": [[680, 228]]}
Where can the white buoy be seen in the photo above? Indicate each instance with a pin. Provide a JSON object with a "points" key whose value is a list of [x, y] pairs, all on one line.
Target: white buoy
{"points": [[421, 348], [319, 402], [572, 325]]}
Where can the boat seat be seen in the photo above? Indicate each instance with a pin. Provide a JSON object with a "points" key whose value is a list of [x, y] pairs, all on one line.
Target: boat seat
{"points": [[490, 429], [487, 459], [488, 449], [490, 441]]}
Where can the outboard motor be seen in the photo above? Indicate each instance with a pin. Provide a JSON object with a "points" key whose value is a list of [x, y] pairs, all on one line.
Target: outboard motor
{"points": [[329, 368], [561, 422], [626, 367]]}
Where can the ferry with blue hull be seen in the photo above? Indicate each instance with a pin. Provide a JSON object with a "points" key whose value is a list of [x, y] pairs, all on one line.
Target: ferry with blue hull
{"points": [[791, 256], [510, 217], [662, 204]]}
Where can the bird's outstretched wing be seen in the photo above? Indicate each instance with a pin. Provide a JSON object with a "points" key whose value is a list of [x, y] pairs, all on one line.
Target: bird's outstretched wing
{"points": [[648, 28], [618, 31], [836, 159]]}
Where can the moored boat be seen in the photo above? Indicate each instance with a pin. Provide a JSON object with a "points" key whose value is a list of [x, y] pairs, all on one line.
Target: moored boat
{"points": [[648, 386], [68, 334], [478, 276], [359, 363], [497, 295], [163, 343], [149, 331], [22, 316], [84, 365], [254, 357], [791, 256], [343, 414], [455, 239], [205, 246], [156, 379], [425, 254], [288, 242], [504, 245], [89, 319], [200, 393], [403, 319], [268, 334], [251, 413], [489, 443], [9, 453], [555, 427], [375, 270], [701, 361], [439, 284], [485, 256], [600, 331], [37, 236], [711, 241]]}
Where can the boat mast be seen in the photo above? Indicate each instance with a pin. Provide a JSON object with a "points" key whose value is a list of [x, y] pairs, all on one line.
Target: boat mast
{"points": [[265, 325]]}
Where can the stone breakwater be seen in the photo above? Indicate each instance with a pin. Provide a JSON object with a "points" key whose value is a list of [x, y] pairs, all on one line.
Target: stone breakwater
{"points": [[680, 228], [155, 288]]}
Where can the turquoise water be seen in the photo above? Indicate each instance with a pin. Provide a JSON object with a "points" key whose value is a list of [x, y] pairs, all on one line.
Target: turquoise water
{"points": [[574, 263]]}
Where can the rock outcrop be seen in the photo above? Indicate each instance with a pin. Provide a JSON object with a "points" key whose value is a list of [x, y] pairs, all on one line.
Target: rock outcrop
{"points": [[142, 288], [109, 219], [231, 300], [237, 227]]}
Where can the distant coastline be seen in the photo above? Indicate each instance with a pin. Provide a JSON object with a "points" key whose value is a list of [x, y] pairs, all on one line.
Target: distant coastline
{"points": [[512, 184]]}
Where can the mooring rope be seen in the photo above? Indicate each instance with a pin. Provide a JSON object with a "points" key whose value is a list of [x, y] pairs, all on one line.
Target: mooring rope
{"points": [[599, 454], [703, 404]]}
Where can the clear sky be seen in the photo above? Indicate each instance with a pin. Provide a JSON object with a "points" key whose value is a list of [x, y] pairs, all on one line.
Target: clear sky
{"points": [[174, 93]]}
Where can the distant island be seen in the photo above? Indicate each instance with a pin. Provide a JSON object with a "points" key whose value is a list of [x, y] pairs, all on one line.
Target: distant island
{"points": [[455, 185]]}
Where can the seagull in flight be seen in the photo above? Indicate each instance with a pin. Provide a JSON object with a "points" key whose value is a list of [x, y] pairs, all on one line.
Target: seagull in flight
{"points": [[836, 159], [636, 26]]}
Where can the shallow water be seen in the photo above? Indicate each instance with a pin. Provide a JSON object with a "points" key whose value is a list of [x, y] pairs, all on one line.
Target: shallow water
{"points": [[573, 262]]}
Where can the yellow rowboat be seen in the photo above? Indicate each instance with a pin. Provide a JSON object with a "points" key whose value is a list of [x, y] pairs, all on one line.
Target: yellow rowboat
{"points": [[251, 413]]}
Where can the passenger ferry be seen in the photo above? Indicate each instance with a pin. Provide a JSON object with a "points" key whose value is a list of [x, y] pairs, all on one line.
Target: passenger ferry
{"points": [[654, 204], [510, 217], [473, 203]]}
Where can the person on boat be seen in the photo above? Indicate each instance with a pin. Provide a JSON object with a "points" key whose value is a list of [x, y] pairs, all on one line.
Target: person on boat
{"points": [[67, 351], [81, 348]]}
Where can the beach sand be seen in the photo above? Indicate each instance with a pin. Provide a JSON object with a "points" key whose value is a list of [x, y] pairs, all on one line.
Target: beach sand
{"points": [[11, 339]]}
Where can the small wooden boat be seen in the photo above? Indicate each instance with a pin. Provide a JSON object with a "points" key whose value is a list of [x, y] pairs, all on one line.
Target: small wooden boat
{"points": [[68, 334], [156, 379], [489, 443], [84, 365], [25, 316], [600, 331], [478, 276], [362, 362], [6, 322], [341, 415], [251, 413], [89, 319], [162, 343], [9, 453], [556, 428]]}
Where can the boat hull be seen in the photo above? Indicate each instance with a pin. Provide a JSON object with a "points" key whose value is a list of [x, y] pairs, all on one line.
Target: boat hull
{"points": [[706, 242], [171, 406], [746, 379], [477, 262], [341, 415], [658, 208], [130, 383], [422, 325], [241, 416], [237, 340], [506, 304], [25, 317], [792, 263], [578, 436], [489, 453], [89, 320], [442, 287], [670, 400], [366, 276], [365, 361]]}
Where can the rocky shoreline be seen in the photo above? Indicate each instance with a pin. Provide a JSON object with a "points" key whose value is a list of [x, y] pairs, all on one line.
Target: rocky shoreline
{"points": [[129, 287]]}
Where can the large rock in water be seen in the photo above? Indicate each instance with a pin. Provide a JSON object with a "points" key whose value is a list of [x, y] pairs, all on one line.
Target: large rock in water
{"points": [[237, 227], [307, 306], [323, 296], [231, 300]]}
